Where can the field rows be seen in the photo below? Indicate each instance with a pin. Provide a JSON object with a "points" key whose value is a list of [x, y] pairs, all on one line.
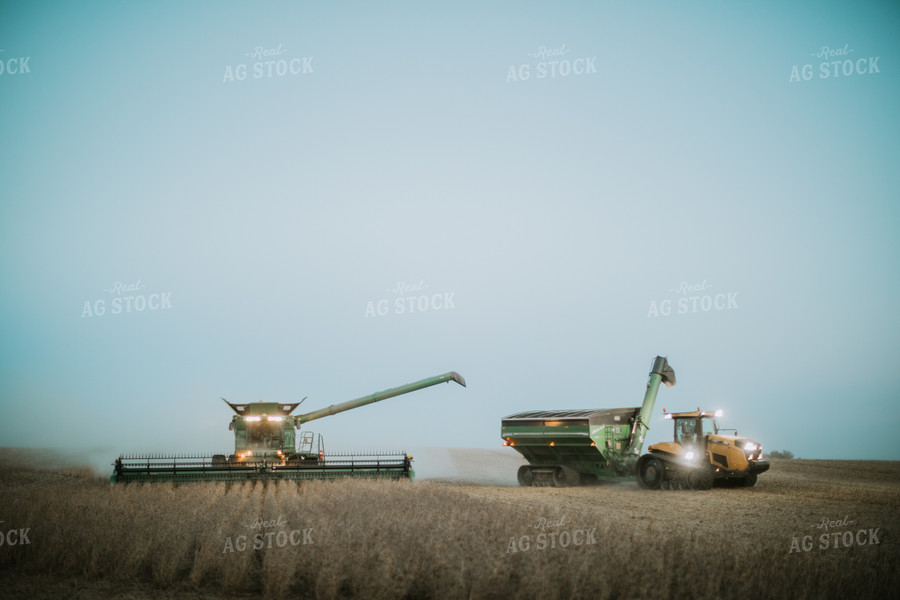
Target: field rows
{"points": [[435, 539]]}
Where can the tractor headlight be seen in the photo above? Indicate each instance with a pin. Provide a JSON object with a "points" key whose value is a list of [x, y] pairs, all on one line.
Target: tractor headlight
{"points": [[750, 449], [689, 455], [275, 419], [251, 419]]}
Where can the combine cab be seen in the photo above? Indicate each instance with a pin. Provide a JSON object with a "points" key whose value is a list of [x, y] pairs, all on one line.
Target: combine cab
{"points": [[269, 446]]}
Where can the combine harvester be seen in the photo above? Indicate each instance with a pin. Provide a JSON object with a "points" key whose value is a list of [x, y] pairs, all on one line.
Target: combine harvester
{"points": [[570, 447], [266, 448]]}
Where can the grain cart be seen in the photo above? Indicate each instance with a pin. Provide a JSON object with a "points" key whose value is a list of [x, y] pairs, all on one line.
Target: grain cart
{"points": [[573, 446], [568, 447], [266, 447]]}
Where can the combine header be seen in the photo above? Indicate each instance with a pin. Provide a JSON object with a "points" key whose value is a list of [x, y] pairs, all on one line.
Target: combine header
{"points": [[266, 447], [569, 447]]}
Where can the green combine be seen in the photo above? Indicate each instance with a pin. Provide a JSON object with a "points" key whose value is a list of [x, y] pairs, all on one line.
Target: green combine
{"points": [[267, 447]]}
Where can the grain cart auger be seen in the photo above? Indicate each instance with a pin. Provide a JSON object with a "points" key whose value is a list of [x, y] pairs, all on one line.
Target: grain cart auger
{"points": [[266, 447], [568, 447]]}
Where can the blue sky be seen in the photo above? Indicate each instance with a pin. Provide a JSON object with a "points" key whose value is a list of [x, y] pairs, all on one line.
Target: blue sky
{"points": [[549, 215]]}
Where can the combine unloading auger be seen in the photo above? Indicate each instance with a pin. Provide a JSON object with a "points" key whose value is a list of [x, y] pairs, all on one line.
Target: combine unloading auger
{"points": [[266, 447]]}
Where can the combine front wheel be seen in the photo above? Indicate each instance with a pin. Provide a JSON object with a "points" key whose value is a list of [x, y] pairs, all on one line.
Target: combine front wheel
{"points": [[750, 481]]}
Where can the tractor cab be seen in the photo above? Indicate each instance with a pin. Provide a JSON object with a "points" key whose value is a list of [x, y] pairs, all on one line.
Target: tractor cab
{"points": [[693, 431], [691, 428]]}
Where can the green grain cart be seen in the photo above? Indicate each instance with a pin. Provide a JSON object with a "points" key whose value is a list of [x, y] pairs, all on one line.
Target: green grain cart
{"points": [[569, 447], [267, 447]]}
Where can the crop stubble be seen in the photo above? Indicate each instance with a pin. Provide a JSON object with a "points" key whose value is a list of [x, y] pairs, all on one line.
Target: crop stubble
{"points": [[439, 539]]}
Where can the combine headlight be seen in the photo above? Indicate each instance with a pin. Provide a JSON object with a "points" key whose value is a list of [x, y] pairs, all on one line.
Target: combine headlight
{"points": [[719, 413], [275, 419], [689, 456], [251, 419], [749, 447]]}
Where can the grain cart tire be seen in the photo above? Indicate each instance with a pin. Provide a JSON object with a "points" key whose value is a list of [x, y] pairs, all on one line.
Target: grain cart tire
{"points": [[750, 480], [525, 476], [219, 460], [565, 477], [650, 472], [700, 479]]}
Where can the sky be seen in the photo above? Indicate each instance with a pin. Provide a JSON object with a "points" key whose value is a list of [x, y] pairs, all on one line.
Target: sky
{"points": [[272, 200]]}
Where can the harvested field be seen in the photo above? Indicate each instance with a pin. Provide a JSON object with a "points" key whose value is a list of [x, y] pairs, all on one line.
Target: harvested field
{"points": [[450, 538]]}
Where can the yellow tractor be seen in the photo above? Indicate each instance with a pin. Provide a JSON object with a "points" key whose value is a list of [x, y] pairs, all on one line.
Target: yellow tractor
{"points": [[700, 455]]}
